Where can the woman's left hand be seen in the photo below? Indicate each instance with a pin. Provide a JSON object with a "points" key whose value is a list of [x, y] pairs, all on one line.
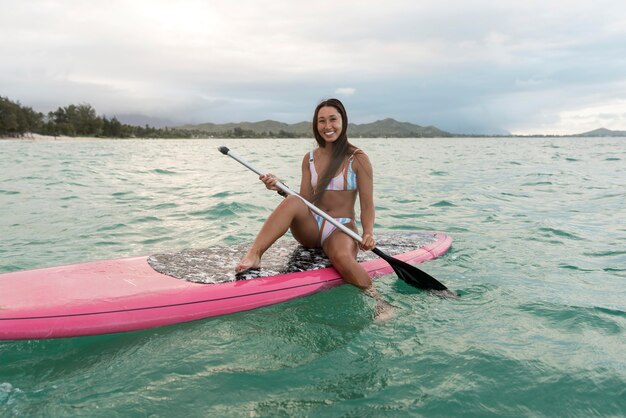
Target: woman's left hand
{"points": [[368, 242]]}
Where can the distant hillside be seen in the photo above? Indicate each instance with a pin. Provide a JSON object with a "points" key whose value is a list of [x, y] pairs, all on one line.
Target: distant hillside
{"points": [[392, 128], [142, 120], [269, 128], [603, 132]]}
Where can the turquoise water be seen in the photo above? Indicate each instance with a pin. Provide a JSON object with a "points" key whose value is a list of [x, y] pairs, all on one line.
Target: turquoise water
{"points": [[539, 257]]}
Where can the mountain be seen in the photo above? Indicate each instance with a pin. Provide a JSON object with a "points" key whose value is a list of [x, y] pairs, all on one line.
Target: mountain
{"points": [[603, 132], [392, 128], [142, 120], [382, 128], [266, 127]]}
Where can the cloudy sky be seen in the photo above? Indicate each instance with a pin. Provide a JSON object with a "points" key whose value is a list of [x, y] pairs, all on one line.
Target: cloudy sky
{"points": [[474, 66]]}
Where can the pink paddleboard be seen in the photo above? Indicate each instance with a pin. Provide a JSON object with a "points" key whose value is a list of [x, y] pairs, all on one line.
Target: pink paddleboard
{"points": [[122, 295]]}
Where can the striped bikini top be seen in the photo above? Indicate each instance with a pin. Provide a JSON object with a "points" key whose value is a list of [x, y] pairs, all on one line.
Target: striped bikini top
{"points": [[346, 180]]}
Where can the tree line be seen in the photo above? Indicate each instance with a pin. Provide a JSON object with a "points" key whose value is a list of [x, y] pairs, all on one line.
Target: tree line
{"points": [[74, 120]]}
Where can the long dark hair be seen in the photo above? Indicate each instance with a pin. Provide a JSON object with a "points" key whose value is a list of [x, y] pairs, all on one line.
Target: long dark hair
{"points": [[341, 147]]}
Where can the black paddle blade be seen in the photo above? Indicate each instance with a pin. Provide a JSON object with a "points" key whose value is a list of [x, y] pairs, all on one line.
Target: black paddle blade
{"points": [[411, 274]]}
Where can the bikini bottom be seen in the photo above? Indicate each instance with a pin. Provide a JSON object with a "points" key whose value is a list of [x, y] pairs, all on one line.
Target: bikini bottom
{"points": [[326, 228]]}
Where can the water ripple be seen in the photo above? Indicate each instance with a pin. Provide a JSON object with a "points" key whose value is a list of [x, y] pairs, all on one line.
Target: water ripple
{"points": [[577, 318], [538, 257]]}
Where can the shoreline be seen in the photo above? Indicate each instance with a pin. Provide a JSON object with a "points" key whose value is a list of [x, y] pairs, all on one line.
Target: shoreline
{"points": [[38, 137], [31, 137]]}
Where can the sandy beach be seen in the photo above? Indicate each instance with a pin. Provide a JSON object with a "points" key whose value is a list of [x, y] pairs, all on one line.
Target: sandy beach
{"points": [[38, 137]]}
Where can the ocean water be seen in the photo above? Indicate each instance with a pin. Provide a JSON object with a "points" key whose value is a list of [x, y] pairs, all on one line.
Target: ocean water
{"points": [[539, 257]]}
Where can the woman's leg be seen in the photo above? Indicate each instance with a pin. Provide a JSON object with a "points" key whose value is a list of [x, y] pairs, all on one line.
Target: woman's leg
{"points": [[342, 251], [290, 213]]}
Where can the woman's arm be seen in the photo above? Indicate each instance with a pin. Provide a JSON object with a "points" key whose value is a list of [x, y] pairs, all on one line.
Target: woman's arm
{"points": [[306, 191], [365, 176]]}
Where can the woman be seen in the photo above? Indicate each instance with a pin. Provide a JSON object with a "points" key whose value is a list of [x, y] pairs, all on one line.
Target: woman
{"points": [[344, 171]]}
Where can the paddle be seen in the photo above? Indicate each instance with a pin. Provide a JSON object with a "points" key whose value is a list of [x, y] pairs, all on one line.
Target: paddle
{"points": [[410, 274]]}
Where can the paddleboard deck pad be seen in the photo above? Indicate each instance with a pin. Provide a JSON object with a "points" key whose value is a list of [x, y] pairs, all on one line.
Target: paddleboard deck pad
{"points": [[136, 293], [217, 264]]}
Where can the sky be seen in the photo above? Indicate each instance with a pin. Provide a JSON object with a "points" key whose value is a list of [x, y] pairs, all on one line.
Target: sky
{"points": [[475, 67]]}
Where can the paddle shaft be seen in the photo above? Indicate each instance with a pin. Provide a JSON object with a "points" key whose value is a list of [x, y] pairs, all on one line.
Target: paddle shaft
{"points": [[410, 274], [284, 188]]}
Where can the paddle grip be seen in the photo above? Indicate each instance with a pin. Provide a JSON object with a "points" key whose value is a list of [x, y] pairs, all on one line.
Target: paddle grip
{"points": [[224, 150]]}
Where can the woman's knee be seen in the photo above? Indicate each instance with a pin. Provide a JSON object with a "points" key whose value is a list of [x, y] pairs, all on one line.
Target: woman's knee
{"points": [[342, 260], [293, 203], [351, 271]]}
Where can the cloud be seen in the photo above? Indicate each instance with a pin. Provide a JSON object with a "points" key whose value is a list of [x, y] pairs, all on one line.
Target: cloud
{"points": [[345, 91], [582, 118], [466, 67]]}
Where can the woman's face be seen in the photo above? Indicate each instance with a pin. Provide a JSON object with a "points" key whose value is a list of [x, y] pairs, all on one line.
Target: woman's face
{"points": [[329, 124]]}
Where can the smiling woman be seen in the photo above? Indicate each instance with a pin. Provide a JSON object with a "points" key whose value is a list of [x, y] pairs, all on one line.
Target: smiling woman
{"points": [[346, 173]]}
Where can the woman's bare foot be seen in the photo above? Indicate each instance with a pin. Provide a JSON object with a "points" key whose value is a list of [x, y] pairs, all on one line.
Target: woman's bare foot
{"points": [[249, 261], [383, 310]]}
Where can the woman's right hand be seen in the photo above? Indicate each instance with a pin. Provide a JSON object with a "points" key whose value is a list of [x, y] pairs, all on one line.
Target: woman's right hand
{"points": [[270, 181]]}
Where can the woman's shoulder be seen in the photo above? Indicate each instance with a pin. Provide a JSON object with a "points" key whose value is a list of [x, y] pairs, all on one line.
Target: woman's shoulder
{"points": [[360, 159], [356, 151], [307, 158], [357, 154]]}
